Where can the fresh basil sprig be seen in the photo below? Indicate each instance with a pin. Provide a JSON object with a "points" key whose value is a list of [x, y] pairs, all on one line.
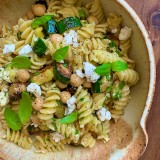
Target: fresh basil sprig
{"points": [[104, 69], [25, 108], [12, 119], [118, 66], [60, 54], [39, 21], [69, 118], [21, 62]]}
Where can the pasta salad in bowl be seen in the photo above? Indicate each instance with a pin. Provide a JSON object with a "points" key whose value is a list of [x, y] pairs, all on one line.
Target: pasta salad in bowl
{"points": [[67, 77]]}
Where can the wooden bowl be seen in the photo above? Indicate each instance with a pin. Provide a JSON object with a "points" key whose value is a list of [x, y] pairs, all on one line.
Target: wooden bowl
{"points": [[128, 137]]}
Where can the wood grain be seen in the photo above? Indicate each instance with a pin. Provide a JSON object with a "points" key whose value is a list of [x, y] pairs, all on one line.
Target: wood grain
{"points": [[149, 12]]}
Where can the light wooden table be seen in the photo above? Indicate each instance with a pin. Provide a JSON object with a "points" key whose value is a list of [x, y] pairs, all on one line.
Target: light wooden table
{"points": [[147, 9]]}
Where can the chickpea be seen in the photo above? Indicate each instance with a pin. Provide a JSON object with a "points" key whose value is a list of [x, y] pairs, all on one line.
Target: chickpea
{"points": [[92, 19], [39, 9], [37, 104], [22, 75], [30, 14], [61, 85], [35, 120], [87, 84], [65, 96], [76, 81], [56, 38]]}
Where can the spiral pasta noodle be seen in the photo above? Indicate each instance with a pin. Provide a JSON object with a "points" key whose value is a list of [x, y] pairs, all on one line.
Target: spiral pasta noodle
{"points": [[50, 104], [129, 76], [100, 30], [4, 60], [98, 100], [87, 140], [6, 30], [119, 105], [125, 46], [95, 9], [18, 138], [84, 107]]}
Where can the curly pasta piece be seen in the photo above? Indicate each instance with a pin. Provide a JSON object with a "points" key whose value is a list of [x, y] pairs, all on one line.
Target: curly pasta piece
{"points": [[119, 105], [68, 12], [130, 62], [98, 100], [87, 31], [2, 119], [27, 31], [68, 3], [50, 104], [125, 46], [4, 60], [6, 30], [129, 76], [100, 30], [18, 138], [87, 140], [95, 9], [47, 144], [103, 130], [84, 105], [102, 56], [68, 131], [37, 63], [45, 87], [114, 21]]}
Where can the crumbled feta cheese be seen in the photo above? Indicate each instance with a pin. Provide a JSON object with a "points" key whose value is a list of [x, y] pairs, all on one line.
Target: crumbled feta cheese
{"points": [[35, 125], [6, 76], [103, 114], [62, 61], [9, 48], [26, 50], [35, 89], [71, 38], [80, 74], [4, 98], [125, 33], [114, 30], [71, 105], [57, 137], [89, 72]]}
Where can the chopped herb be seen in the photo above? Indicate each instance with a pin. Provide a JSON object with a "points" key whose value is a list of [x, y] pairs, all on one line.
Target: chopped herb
{"points": [[116, 95], [121, 85], [108, 77], [37, 73], [112, 44], [19, 35], [109, 89], [76, 132], [59, 102], [81, 100]]}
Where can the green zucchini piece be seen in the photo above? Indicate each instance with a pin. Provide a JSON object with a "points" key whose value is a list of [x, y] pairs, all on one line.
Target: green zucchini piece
{"points": [[40, 47], [68, 23], [51, 27]]}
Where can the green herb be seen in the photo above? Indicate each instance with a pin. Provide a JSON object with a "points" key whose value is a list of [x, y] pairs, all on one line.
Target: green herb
{"points": [[81, 100], [21, 62], [109, 89], [65, 65], [112, 44], [116, 94], [76, 132], [118, 66], [118, 52], [25, 108], [40, 47], [108, 77], [69, 118], [96, 88], [39, 21], [82, 13], [121, 85], [12, 119], [104, 69], [59, 102], [19, 35], [60, 54], [37, 73]]}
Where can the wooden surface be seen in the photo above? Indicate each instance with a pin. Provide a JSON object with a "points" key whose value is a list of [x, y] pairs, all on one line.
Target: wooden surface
{"points": [[149, 12]]}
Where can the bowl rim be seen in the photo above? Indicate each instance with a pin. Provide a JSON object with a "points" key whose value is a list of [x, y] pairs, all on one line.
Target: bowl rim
{"points": [[151, 55]]}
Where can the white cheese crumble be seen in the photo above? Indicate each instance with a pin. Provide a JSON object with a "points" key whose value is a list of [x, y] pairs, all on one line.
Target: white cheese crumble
{"points": [[80, 74], [71, 105], [9, 48], [103, 114], [71, 38], [115, 30], [4, 98], [26, 50], [125, 33], [89, 72], [35, 89], [6, 76], [62, 61], [57, 137]]}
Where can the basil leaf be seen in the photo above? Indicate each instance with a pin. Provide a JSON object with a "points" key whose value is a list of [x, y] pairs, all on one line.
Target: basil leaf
{"points": [[60, 54], [118, 66], [109, 89], [121, 85], [12, 119], [104, 69], [25, 108], [69, 118], [21, 62], [39, 21]]}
